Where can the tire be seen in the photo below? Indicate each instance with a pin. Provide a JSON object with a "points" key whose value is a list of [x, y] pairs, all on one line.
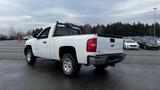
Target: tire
{"points": [[124, 47], [30, 58], [69, 65], [101, 66], [145, 47]]}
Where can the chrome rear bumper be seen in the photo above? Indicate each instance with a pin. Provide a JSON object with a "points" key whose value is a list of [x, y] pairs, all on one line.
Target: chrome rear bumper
{"points": [[109, 59]]}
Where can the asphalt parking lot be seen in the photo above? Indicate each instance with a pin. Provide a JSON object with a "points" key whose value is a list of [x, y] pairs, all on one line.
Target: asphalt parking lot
{"points": [[139, 71]]}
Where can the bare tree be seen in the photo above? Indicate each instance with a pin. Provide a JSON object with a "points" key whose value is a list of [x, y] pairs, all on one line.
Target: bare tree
{"points": [[87, 29], [11, 32]]}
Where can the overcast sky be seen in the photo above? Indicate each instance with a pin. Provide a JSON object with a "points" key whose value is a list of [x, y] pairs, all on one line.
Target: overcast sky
{"points": [[27, 14]]}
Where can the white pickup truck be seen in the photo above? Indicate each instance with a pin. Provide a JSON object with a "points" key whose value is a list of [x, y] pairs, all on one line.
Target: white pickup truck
{"points": [[64, 42]]}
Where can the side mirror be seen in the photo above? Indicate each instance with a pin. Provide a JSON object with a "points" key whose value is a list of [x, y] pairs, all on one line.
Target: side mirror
{"points": [[35, 35]]}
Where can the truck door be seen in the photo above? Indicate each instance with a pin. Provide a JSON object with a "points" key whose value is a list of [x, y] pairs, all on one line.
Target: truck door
{"points": [[43, 44]]}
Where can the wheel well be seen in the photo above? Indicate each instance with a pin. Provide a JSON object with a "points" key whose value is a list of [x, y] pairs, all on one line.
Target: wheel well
{"points": [[27, 47], [67, 49]]}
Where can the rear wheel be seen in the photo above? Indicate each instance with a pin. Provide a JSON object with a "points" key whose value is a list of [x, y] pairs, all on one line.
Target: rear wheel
{"points": [[70, 66], [30, 58], [101, 66]]}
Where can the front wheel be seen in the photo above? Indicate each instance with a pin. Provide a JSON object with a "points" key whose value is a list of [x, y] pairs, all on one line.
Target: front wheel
{"points": [[30, 58], [101, 66], [70, 66], [145, 47]]}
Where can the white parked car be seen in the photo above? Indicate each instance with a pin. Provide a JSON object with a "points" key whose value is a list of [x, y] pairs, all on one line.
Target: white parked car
{"points": [[64, 42], [158, 41], [130, 44]]}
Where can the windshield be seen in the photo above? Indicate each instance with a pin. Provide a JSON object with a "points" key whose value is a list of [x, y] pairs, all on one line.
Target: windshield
{"points": [[151, 42], [129, 41]]}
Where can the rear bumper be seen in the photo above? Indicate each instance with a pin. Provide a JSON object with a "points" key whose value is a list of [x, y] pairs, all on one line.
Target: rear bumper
{"points": [[131, 47], [109, 59]]}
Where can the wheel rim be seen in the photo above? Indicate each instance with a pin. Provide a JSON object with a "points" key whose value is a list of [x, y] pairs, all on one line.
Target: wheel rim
{"points": [[67, 65], [28, 56], [145, 47]]}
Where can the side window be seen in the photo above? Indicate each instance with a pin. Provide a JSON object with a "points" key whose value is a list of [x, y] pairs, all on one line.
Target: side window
{"points": [[45, 33], [61, 31]]}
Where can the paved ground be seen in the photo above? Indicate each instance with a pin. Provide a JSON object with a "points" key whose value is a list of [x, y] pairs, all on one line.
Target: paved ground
{"points": [[140, 71]]}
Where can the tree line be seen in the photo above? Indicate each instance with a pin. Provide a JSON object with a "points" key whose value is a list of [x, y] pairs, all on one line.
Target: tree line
{"points": [[118, 28], [122, 29]]}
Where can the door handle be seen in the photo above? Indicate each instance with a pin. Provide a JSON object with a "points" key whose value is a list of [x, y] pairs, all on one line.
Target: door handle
{"points": [[112, 40], [44, 42]]}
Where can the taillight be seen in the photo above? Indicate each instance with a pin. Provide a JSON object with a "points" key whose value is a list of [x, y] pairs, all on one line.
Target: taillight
{"points": [[92, 45]]}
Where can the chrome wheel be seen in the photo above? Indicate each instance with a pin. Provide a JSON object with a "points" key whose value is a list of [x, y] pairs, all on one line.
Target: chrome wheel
{"points": [[29, 56], [145, 47], [70, 66], [67, 65]]}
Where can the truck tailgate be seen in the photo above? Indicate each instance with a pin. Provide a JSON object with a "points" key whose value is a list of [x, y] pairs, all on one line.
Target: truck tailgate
{"points": [[109, 44]]}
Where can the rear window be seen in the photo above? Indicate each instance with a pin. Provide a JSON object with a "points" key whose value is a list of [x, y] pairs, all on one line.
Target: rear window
{"points": [[64, 31]]}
